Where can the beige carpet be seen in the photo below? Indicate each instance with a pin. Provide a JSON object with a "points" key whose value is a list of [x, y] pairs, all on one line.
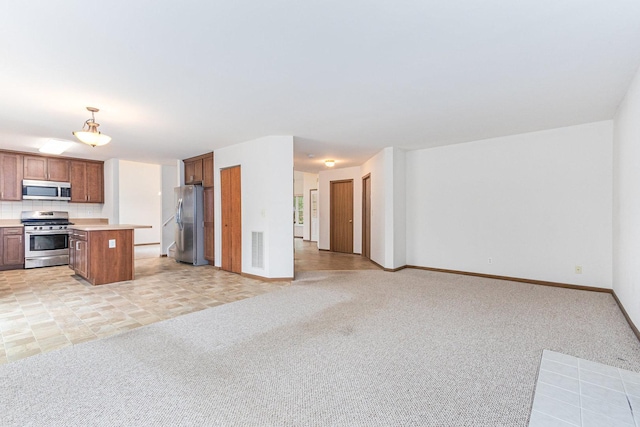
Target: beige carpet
{"points": [[355, 348]]}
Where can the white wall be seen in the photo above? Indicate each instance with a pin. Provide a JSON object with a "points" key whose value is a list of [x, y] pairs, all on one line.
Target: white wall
{"points": [[376, 167], [324, 183], [140, 195], [267, 182], [169, 176], [388, 206], [111, 206], [398, 203], [626, 208], [538, 204]]}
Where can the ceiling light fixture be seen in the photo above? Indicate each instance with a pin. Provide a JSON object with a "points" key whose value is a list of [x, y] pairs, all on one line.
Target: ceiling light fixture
{"points": [[90, 134], [329, 163], [55, 146]]}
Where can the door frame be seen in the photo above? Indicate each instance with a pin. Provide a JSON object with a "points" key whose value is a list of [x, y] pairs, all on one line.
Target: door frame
{"points": [[366, 221], [311, 220]]}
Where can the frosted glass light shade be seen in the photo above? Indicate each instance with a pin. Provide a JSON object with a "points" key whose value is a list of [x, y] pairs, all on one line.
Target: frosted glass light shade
{"points": [[94, 139]]}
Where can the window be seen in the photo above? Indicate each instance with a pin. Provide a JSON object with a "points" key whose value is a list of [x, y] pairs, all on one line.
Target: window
{"points": [[298, 207]]}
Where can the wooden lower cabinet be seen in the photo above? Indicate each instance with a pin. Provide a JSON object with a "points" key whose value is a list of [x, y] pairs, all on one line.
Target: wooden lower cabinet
{"points": [[12, 245], [92, 258]]}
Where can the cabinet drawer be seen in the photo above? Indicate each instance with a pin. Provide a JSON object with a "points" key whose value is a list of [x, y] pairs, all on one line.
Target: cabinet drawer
{"points": [[13, 230], [80, 235]]}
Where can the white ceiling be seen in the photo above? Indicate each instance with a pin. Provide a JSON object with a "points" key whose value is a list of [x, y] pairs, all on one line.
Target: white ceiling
{"points": [[174, 79]]}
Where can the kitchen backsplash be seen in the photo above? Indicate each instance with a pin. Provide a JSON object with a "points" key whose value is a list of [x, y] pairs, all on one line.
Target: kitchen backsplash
{"points": [[12, 210]]}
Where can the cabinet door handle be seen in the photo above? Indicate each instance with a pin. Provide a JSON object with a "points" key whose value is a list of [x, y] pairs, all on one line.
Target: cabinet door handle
{"points": [[77, 246]]}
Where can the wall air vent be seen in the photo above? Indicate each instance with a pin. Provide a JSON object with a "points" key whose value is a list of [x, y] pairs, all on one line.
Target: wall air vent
{"points": [[257, 249]]}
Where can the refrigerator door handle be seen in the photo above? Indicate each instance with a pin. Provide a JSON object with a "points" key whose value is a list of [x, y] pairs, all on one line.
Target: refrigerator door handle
{"points": [[179, 214]]}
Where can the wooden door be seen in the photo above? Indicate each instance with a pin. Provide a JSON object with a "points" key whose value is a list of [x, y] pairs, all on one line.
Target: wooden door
{"points": [[231, 209], [35, 167], [366, 216], [95, 183], [208, 225], [10, 176], [78, 180], [341, 216], [58, 170]]}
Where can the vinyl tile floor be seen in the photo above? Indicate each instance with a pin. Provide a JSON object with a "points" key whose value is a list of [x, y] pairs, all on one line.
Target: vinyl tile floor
{"points": [[577, 392], [309, 258], [45, 309]]}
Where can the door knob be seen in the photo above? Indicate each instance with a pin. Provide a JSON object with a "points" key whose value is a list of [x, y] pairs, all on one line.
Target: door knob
{"points": [[350, 221]]}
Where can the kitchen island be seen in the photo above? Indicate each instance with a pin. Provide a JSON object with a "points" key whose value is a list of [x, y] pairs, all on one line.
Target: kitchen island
{"points": [[102, 253]]}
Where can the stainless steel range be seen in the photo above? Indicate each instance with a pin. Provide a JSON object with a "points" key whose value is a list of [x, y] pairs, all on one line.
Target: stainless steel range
{"points": [[46, 238]]}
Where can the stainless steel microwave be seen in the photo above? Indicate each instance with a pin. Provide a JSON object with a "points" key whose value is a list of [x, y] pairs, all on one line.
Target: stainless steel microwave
{"points": [[45, 190]]}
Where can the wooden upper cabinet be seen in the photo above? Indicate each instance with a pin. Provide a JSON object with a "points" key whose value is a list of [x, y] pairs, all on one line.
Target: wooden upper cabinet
{"points": [[10, 176], [35, 167], [46, 169], [78, 180], [95, 182], [86, 176], [193, 171], [58, 170], [207, 171], [87, 182], [199, 170]]}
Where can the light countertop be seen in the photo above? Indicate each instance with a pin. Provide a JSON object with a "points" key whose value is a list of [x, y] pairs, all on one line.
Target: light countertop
{"points": [[89, 221], [77, 221], [106, 227]]}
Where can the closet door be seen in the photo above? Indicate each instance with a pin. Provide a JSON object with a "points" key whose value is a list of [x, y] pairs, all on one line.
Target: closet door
{"points": [[231, 217]]}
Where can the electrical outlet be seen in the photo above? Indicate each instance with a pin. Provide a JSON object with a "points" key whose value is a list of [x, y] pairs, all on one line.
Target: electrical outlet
{"points": [[578, 269], [112, 243], [490, 260]]}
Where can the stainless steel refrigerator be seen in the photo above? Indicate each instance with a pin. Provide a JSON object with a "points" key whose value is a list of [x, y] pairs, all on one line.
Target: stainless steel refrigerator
{"points": [[189, 224]]}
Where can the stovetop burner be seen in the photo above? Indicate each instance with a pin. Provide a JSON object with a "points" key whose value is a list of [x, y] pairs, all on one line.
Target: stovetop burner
{"points": [[45, 218], [61, 222]]}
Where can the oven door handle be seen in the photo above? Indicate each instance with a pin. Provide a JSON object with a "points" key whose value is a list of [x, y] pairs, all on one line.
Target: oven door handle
{"points": [[46, 232]]}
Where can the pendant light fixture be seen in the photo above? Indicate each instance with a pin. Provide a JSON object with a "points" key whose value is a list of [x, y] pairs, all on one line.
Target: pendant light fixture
{"points": [[90, 134]]}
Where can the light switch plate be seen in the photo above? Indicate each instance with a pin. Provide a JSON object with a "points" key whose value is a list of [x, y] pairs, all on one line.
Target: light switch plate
{"points": [[112, 243]]}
